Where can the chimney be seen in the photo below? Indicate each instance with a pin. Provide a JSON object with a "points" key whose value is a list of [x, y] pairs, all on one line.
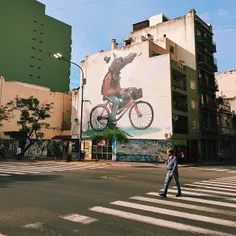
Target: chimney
{"points": [[114, 44]]}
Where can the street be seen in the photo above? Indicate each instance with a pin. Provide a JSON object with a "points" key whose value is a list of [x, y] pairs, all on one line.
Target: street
{"points": [[115, 201]]}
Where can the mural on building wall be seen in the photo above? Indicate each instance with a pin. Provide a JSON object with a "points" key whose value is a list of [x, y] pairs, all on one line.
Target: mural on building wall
{"points": [[38, 149], [131, 91], [143, 150], [119, 101]]}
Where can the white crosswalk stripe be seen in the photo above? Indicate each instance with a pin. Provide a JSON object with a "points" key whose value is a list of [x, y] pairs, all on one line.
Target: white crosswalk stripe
{"points": [[8, 169], [209, 202], [228, 171]]}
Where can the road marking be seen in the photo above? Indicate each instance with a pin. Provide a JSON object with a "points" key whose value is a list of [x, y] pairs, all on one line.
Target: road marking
{"points": [[215, 184], [37, 225], [204, 201], [184, 215], [209, 191], [157, 221], [12, 172], [219, 182], [78, 218], [4, 175], [211, 187], [184, 205], [215, 169]]}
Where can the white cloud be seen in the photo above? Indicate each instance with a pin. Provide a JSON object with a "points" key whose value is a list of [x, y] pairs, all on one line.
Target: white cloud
{"points": [[205, 16], [222, 12]]}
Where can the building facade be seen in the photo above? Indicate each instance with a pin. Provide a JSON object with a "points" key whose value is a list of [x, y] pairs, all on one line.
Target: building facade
{"points": [[28, 36], [168, 101], [195, 48], [227, 130], [60, 120]]}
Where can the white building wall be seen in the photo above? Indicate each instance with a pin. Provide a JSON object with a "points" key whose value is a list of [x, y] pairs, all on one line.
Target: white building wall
{"points": [[180, 30]]}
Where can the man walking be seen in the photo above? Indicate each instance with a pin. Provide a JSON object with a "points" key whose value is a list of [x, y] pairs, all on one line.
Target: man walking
{"points": [[172, 171]]}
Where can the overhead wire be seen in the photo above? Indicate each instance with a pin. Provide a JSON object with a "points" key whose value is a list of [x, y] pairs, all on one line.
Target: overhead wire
{"points": [[74, 6]]}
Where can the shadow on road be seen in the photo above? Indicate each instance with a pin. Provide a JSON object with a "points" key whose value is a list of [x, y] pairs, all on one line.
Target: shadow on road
{"points": [[16, 179]]}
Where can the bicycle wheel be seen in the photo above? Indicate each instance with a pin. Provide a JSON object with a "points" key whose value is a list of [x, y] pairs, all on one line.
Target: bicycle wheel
{"points": [[99, 118], [141, 115]]}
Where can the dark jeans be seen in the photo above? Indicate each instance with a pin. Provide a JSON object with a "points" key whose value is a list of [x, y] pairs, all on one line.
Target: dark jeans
{"points": [[168, 180]]}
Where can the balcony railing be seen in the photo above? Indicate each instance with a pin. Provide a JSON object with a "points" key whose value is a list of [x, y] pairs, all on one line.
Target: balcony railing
{"points": [[227, 131], [208, 63], [206, 84], [207, 42], [178, 66], [210, 106], [181, 84]]}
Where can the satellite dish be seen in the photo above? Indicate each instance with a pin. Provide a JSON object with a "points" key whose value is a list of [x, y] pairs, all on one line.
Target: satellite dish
{"points": [[175, 117]]}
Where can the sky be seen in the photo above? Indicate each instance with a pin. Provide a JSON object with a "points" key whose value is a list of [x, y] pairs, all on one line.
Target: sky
{"points": [[95, 22]]}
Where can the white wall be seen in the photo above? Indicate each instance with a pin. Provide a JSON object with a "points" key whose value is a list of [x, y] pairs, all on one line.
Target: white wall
{"points": [[180, 31], [227, 84], [150, 74]]}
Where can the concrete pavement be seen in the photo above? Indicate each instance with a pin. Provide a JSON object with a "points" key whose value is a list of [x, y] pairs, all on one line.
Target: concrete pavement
{"points": [[118, 201]]}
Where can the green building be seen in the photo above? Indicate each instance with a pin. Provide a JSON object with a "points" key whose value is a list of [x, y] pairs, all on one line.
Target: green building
{"points": [[28, 36]]}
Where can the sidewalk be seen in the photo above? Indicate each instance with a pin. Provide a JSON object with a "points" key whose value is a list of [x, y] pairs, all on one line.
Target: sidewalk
{"points": [[120, 164]]}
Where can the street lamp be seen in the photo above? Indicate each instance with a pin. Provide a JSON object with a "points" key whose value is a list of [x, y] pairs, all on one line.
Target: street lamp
{"points": [[60, 57]]}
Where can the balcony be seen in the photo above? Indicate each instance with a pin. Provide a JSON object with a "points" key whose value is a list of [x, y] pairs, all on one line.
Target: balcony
{"points": [[204, 83], [208, 63], [178, 67], [206, 42], [180, 102], [209, 106], [206, 128], [226, 131], [179, 83]]}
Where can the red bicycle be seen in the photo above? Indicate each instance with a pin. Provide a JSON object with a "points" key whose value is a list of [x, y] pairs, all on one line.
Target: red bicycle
{"points": [[141, 113]]}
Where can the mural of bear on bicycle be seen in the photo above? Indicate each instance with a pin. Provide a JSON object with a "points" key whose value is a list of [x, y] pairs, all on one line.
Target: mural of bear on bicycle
{"points": [[119, 101]]}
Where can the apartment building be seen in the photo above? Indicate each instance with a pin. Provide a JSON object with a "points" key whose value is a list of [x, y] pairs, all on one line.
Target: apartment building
{"points": [[195, 48], [28, 35]]}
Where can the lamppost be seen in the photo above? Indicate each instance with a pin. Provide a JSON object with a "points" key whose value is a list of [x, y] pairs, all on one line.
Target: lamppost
{"points": [[60, 57]]}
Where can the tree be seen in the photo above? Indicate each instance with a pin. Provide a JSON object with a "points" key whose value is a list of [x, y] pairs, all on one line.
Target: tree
{"points": [[31, 121], [110, 135], [5, 114]]}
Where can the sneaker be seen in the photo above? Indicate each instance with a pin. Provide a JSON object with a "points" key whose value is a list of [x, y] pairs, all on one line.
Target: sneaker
{"points": [[162, 194], [178, 194]]}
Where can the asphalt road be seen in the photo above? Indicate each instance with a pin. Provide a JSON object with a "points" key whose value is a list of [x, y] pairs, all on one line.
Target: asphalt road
{"points": [[114, 202]]}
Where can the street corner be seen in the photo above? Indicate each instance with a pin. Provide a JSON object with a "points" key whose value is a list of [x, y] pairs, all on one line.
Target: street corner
{"points": [[89, 163]]}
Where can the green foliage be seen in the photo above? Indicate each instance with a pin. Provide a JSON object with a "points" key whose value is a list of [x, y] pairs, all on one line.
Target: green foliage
{"points": [[54, 149], [110, 135], [5, 114], [32, 117]]}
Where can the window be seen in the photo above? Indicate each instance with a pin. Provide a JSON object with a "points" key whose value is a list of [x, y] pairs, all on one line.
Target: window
{"points": [[30, 75], [41, 41], [172, 50], [194, 125], [31, 66], [34, 30], [32, 57], [192, 84], [193, 104], [40, 50], [35, 21], [34, 39], [41, 33]]}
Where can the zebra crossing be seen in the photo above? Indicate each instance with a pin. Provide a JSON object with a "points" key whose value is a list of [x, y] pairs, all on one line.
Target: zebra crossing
{"points": [[200, 211], [8, 169], [198, 204], [224, 170]]}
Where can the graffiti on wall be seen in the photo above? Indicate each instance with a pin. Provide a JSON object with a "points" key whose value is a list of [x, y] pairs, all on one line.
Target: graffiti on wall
{"points": [[128, 90], [38, 149], [118, 101], [143, 150]]}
